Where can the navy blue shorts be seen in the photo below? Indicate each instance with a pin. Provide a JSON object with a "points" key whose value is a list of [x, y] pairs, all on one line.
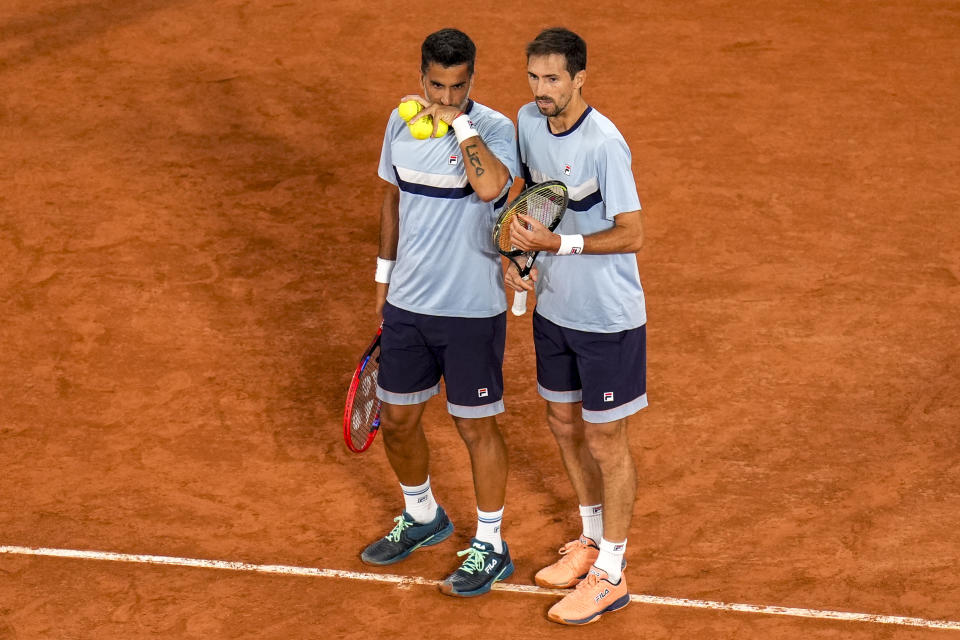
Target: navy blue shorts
{"points": [[416, 350], [607, 372]]}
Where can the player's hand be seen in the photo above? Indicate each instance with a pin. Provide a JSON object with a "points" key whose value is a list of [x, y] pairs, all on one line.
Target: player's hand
{"points": [[532, 235], [381, 298], [437, 111], [513, 280]]}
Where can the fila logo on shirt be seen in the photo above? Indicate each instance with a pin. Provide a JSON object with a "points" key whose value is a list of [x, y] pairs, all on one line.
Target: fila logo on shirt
{"points": [[482, 393], [566, 169], [453, 160], [608, 396]]}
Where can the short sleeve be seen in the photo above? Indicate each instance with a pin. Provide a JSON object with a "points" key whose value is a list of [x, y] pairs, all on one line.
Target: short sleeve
{"points": [[617, 184], [386, 156]]}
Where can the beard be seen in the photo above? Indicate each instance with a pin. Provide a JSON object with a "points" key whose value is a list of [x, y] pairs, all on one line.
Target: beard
{"points": [[551, 110]]}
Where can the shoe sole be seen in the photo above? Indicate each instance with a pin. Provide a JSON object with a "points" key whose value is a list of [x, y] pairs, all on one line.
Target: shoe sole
{"points": [[618, 604], [436, 538], [448, 589]]}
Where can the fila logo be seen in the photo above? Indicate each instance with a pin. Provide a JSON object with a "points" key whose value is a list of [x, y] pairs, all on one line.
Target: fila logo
{"points": [[618, 547], [482, 393], [491, 566], [423, 499], [452, 160], [574, 250], [566, 169], [608, 396], [597, 510], [600, 596]]}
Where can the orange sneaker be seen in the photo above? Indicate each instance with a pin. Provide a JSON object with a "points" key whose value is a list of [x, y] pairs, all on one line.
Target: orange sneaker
{"points": [[594, 596], [576, 559]]}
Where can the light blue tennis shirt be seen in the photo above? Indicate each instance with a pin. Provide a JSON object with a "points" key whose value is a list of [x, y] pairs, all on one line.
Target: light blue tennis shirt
{"points": [[447, 264], [598, 293]]}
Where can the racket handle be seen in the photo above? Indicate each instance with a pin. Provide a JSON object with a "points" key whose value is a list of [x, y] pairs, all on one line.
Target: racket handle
{"points": [[519, 303]]}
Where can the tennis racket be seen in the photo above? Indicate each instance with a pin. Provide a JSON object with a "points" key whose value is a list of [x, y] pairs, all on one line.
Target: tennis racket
{"points": [[545, 202], [361, 415]]}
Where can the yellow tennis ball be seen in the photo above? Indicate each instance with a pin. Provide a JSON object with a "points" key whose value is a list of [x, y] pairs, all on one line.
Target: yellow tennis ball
{"points": [[442, 129], [422, 128], [408, 109]]}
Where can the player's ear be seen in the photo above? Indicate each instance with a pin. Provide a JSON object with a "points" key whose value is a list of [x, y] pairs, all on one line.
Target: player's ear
{"points": [[579, 79]]}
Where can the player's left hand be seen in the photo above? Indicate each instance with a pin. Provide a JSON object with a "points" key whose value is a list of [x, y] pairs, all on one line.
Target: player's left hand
{"points": [[532, 235]]}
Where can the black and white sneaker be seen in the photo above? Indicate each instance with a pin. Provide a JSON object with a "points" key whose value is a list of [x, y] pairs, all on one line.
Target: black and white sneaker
{"points": [[479, 571], [406, 537]]}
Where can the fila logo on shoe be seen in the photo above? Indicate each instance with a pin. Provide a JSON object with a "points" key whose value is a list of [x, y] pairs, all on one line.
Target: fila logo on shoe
{"points": [[491, 566], [603, 594]]}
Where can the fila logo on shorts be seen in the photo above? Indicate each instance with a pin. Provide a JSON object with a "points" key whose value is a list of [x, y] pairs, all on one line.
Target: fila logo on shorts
{"points": [[452, 160], [608, 396], [482, 393]]}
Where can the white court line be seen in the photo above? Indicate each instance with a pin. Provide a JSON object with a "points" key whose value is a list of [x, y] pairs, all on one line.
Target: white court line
{"points": [[500, 586]]}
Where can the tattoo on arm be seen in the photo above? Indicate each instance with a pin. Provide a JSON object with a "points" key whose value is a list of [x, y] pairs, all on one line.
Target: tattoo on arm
{"points": [[471, 150]]}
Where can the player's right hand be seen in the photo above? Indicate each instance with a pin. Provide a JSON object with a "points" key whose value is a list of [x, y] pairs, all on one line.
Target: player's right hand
{"points": [[513, 280]]}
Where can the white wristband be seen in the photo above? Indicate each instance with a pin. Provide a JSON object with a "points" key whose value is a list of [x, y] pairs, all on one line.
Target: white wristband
{"points": [[463, 128], [570, 244], [384, 269]]}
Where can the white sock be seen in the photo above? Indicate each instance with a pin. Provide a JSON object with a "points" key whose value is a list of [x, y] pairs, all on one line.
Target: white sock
{"points": [[611, 559], [592, 517], [488, 528], [419, 503]]}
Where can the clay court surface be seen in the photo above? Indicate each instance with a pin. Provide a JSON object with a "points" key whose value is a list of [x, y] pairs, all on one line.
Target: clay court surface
{"points": [[188, 225]]}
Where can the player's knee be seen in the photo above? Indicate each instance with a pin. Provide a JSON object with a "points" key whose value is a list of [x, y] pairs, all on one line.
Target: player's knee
{"points": [[608, 442], [563, 422], [477, 431]]}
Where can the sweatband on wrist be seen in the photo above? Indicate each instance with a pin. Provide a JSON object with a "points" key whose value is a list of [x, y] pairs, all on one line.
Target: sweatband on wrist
{"points": [[384, 269], [463, 128], [570, 244]]}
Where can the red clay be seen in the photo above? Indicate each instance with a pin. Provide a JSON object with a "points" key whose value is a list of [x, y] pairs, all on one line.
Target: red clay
{"points": [[188, 221]]}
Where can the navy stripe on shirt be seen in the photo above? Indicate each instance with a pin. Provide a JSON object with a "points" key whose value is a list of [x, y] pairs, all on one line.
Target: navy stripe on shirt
{"points": [[452, 193]]}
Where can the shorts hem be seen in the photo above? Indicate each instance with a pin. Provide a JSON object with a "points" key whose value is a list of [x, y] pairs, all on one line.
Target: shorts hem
{"points": [[616, 413], [575, 395], [482, 411], [417, 397]]}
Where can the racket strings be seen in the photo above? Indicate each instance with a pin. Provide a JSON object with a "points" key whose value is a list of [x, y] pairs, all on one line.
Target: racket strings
{"points": [[366, 405], [544, 205]]}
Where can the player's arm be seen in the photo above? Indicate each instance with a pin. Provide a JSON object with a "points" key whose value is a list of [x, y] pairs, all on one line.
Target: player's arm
{"points": [[389, 237], [626, 236], [487, 174]]}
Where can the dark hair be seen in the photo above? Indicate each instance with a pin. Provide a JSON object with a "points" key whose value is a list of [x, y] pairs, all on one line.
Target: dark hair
{"points": [[562, 41], [448, 48]]}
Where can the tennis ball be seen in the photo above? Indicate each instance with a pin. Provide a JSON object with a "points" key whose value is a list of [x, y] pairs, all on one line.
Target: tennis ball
{"points": [[409, 109], [422, 128], [442, 129]]}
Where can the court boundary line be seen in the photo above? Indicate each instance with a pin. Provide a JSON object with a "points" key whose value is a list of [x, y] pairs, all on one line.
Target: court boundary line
{"points": [[845, 616]]}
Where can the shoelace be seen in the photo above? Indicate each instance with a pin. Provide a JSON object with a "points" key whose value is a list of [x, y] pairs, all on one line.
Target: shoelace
{"points": [[475, 561], [589, 582], [570, 547], [402, 523]]}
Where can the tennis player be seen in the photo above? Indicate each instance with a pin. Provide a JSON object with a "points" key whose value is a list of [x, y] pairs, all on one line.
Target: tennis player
{"points": [[589, 324], [444, 308]]}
